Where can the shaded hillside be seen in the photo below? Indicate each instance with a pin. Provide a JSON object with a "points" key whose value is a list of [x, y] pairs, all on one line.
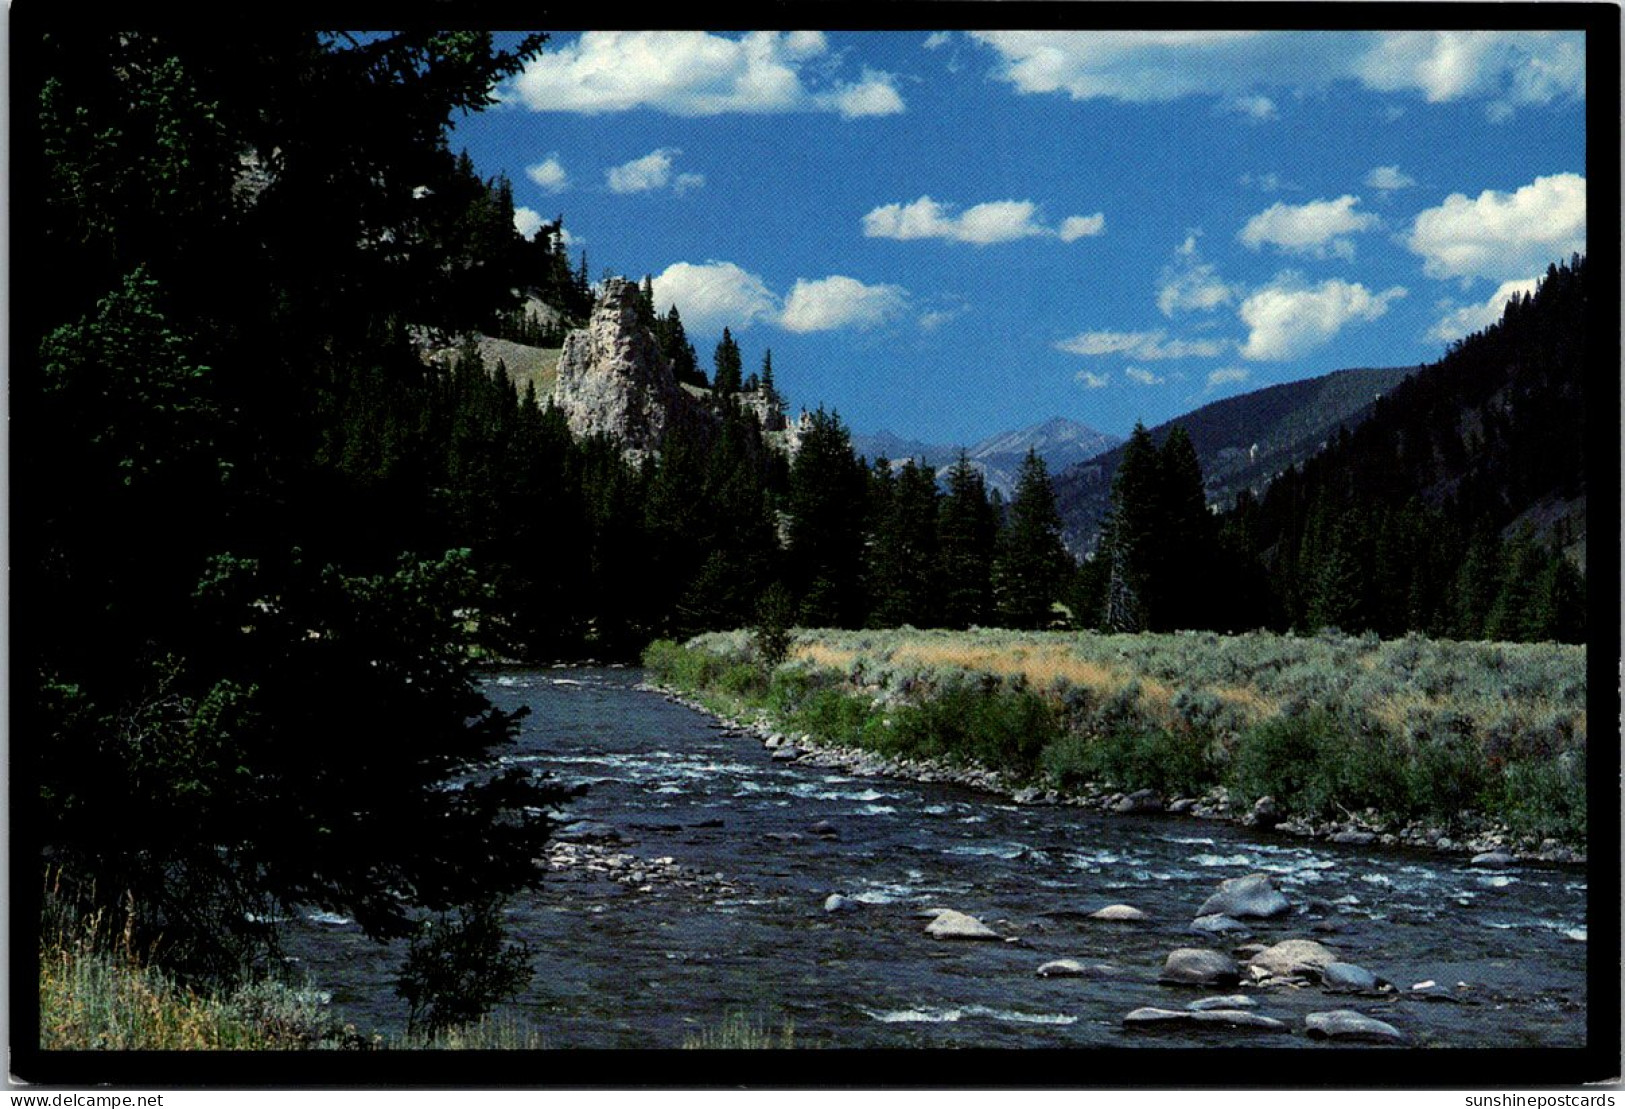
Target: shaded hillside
{"points": [[1241, 442], [1459, 506]]}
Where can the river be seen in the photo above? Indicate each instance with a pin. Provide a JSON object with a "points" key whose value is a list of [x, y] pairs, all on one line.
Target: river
{"points": [[691, 882]]}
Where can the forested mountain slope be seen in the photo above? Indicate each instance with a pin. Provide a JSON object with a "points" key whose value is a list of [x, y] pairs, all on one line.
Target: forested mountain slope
{"points": [[1241, 442], [1459, 506]]}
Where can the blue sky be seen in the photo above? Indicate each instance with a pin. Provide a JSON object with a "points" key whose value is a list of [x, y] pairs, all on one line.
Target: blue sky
{"points": [[948, 234]]}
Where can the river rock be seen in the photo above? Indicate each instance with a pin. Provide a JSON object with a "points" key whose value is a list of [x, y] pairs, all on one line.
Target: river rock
{"points": [[786, 753], [1346, 1024], [839, 903], [824, 830], [1354, 836], [1120, 913], [1217, 924], [1140, 801], [1294, 959], [1266, 813], [1348, 978], [1199, 966], [1152, 1018], [1493, 859], [1229, 1001], [1252, 896], [1071, 968], [951, 924]]}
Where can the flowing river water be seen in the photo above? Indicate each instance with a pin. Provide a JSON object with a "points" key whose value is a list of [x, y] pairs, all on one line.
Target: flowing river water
{"points": [[690, 882]]}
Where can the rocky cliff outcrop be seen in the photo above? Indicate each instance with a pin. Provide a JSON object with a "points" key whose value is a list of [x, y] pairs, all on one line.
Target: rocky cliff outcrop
{"points": [[613, 380]]}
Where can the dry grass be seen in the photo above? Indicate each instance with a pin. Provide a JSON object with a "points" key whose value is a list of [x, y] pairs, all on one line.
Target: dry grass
{"points": [[1041, 665]]}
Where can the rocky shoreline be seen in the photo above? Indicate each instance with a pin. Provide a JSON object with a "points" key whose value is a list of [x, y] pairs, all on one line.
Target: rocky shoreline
{"points": [[1490, 846]]}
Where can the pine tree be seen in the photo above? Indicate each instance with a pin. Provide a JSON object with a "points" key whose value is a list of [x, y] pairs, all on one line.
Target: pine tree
{"points": [[646, 305], [825, 502], [1032, 565], [903, 550], [1129, 535], [729, 366], [966, 528], [1184, 546], [679, 351]]}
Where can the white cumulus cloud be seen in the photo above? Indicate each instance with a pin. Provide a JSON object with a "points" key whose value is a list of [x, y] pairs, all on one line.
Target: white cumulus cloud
{"points": [[527, 221], [1511, 69], [651, 173], [1092, 380], [1315, 228], [836, 301], [1147, 346], [1507, 68], [695, 73], [1082, 227], [714, 295], [1388, 179], [1144, 377], [1189, 284], [1475, 317], [1289, 318], [549, 174], [875, 95], [1503, 235], [1259, 108], [997, 221], [1230, 375]]}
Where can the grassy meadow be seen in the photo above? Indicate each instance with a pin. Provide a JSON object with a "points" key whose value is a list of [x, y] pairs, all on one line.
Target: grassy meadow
{"points": [[1458, 736]]}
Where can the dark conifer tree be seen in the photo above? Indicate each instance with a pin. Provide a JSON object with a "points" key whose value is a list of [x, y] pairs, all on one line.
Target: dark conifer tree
{"points": [[903, 552], [1032, 568], [967, 529], [825, 503], [729, 366], [1129, 535]]}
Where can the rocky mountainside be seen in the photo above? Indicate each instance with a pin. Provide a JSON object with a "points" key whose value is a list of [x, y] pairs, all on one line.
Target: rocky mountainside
{"points": [[1060, 442], [613, 380], [1241, 442]]}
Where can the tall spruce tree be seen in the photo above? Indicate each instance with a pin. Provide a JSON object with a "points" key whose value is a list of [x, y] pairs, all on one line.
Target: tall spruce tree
{"points": [[1032, 568], [825, 502], [729, 366], [1128, 541], [966, 529], [903, 556]]}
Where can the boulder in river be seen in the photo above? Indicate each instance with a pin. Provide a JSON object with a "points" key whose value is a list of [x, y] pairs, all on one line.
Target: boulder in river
{"points": [[1140, 801], [951, 924], [1346, 1024], [1071, 968], [1152, 1018], [839, 903], [1120, 913], [1294, 959], [1348, 978], [1229, 1001], [1251, 896], [1218, 924], [1199, 966], [1493, 859], [1266, 813], [824, 829]]}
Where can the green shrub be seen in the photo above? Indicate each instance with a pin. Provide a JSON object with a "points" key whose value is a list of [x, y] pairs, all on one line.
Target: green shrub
{"points": [[1281, 758], [1545, 798]]}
